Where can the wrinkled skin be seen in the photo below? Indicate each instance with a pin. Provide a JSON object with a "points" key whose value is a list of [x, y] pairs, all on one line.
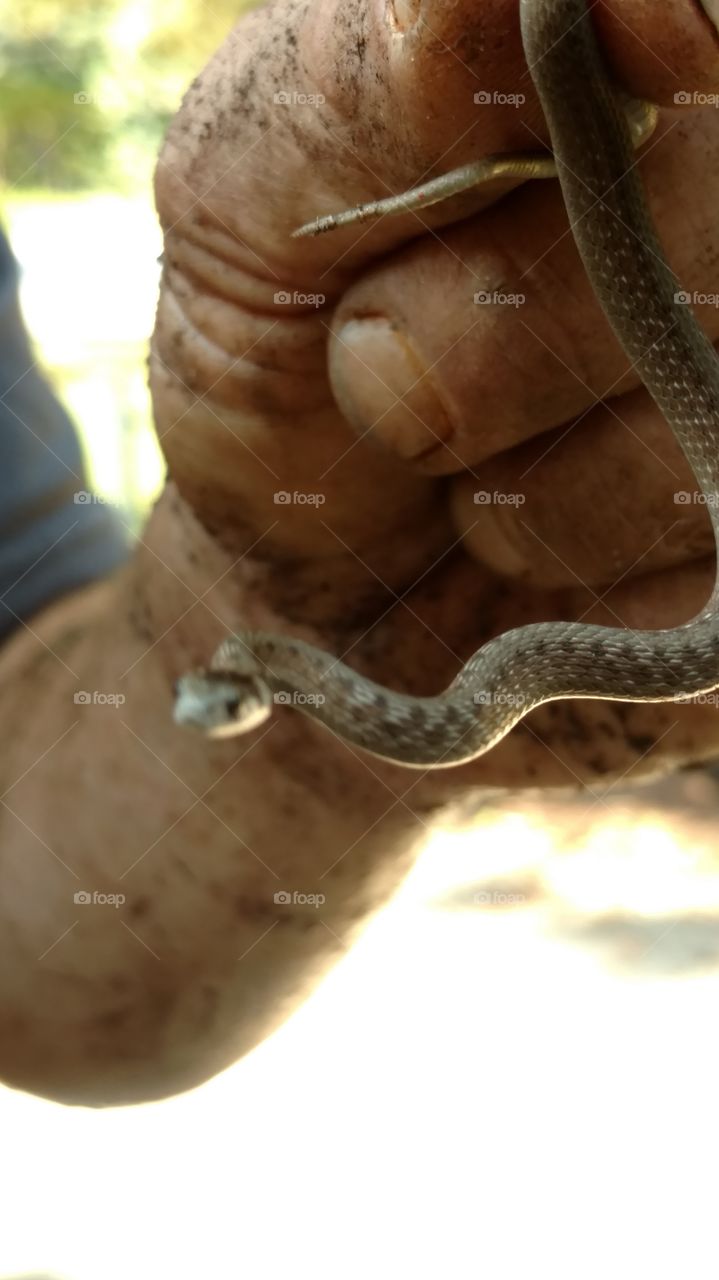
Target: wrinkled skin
{"points": [[394, 402], [313, 395]]}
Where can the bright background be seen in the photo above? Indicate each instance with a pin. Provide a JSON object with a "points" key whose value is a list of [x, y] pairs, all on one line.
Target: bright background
{"points": [[86, 93], [478, 1090], [514, 1073]]}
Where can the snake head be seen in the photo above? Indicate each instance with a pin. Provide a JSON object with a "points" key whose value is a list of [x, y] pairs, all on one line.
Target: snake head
{"points": [[221, 704]]}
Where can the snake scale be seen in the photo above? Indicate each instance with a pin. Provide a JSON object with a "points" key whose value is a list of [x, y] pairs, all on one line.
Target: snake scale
{"points": [[592, 145]]}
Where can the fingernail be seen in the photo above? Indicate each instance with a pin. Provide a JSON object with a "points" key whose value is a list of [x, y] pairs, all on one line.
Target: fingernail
{"points": [[490, 533], [502, 545], [382, 386]]}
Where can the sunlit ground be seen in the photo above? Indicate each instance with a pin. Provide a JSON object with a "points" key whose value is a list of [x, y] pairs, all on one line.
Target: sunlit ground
{"points": [[513, 1074]]}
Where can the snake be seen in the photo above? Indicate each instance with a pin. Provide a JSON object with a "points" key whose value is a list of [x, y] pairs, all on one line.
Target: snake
{"points": [[594, 128]]}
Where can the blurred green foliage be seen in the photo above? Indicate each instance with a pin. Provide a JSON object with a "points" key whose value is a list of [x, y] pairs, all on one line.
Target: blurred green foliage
{"points": [[86, 92], [87, 89]]}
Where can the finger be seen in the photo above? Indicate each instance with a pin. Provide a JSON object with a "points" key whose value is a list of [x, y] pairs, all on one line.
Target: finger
{"points": [[310, 107], [231, 355], [239, 380], [448, 381], [440, 61], [238, 371], [610, 497], [307, 105], [665, 54]]}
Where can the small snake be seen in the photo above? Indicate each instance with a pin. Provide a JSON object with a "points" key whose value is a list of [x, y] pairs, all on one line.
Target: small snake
{"points": [[593, 131]]}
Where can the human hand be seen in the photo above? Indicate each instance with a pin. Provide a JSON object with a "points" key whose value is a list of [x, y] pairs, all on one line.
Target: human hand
{"points": [[398, 398]]}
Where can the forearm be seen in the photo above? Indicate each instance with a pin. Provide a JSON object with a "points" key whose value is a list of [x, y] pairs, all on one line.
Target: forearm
{"points": [[107, 1004]]}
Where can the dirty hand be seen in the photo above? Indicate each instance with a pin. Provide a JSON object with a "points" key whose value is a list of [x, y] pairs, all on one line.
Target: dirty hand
{"points": [[405, 468]]}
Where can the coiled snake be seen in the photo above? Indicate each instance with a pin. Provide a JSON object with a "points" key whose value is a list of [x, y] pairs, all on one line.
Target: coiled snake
{"points": [[593, 132]]}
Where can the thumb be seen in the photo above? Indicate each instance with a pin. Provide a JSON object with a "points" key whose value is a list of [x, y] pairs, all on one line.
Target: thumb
{"points": [[304, 106]]}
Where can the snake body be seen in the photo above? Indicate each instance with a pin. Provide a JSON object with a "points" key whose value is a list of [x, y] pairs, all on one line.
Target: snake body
{"points": [[542, 662]]}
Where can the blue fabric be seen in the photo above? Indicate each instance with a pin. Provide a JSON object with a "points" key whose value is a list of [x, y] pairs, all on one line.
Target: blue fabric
{"points": [[49, 542]]}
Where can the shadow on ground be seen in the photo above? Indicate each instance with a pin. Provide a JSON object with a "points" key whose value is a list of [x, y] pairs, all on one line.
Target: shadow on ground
{"points": [[607, 866]]}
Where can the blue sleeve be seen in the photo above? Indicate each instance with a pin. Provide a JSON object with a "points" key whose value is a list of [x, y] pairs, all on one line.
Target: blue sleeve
{"points": [[50, 542]]}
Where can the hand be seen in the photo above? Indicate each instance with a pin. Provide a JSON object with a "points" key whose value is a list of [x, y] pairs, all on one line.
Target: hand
{"points": [[356, 377]]}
